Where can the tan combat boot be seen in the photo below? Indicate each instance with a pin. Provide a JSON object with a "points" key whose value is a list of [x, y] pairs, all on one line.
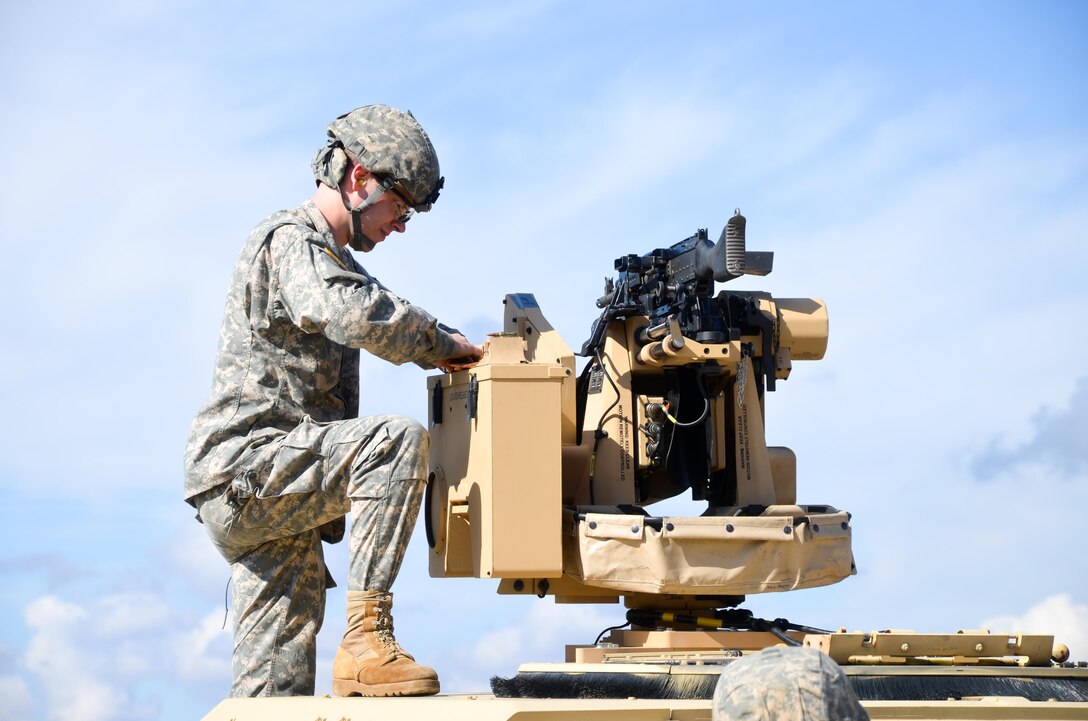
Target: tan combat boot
{"points": [[369, 661]]}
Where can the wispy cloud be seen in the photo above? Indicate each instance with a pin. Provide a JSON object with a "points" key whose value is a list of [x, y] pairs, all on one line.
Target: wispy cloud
{"points": [[1059, 615], [56, 568], [100, 659], [17, 705], [1059, 440], [538, 635]]}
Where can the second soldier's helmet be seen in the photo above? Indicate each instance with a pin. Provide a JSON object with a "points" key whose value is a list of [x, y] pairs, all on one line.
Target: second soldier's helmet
{"points": [[387, 142]]}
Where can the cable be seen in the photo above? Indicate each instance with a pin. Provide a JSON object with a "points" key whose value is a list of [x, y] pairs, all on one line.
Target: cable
{"points": [[610, 628], [682, 424], [697, 421], [599, 433], [782, 636]]}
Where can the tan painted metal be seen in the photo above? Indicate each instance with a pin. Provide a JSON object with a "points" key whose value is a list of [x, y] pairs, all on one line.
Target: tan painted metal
{"points": [[694, 645], [909, 647], [497, 508], [982, 708], [543, 344], [971, 650], [754, 482], [513, 495], [469, 707], [485, 707]]}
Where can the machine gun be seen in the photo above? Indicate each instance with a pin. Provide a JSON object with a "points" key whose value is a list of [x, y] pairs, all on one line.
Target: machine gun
{"points": [[678, 281], [542, 479]]}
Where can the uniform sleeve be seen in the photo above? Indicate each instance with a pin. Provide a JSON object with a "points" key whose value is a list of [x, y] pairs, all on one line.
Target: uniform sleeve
{"points": [[353, 309]]}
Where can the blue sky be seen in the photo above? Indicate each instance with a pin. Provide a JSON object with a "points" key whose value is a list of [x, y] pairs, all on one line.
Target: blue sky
{"points": [[923, 167]]}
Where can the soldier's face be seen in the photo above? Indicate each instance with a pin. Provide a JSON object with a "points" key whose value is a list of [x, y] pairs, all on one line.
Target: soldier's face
{"points": [[383, 218]]}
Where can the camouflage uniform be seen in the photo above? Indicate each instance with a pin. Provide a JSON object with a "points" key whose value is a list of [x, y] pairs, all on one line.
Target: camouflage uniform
{"points": [[785, 684], [277, 456]]}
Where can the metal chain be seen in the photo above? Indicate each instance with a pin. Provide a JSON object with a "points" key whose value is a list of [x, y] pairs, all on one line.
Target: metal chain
{"points": [[742, 377]]}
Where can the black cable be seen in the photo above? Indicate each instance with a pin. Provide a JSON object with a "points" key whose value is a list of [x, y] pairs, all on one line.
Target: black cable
{"points": [[784, 623], [676, 422], [697, 421], [599, 433], [782, 636], [614, 388], [610, 628]]}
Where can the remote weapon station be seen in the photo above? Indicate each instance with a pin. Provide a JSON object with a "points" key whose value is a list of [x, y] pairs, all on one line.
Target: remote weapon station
{"points": [[541, 477]]}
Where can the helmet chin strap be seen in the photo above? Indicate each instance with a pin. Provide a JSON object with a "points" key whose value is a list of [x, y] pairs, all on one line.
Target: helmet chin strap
{"points": [[359, 241]]}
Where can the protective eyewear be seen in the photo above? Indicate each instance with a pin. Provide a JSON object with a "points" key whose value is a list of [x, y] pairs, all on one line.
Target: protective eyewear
{"points": [[391, 185]]}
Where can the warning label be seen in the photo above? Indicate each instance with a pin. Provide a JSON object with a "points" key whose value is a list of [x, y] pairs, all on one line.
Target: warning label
{"points": [[596, 380], [744, 450], [625, 445]]}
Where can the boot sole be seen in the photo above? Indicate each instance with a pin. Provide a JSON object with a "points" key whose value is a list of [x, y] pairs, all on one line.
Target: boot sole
{"points": [[422, 687]]}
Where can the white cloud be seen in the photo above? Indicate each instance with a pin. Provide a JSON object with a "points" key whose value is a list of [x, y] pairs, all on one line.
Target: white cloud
{"points": [[130, 613], [69, 669], [500, 646], [1059, 615], [51, 612], [485, 23], [94, 660], [17, 704], [194, 559], [540, 634], [196, 657], [72, 697]]}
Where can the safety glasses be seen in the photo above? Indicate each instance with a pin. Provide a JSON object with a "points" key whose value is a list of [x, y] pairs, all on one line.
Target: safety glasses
{"points": [[390, 184]]}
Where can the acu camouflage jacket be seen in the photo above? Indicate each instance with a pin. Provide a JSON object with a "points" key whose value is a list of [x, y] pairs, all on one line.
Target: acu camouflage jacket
{"points": [[298, 310]]}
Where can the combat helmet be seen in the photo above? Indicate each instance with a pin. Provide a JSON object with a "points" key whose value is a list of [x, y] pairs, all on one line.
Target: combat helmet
{"points": [[392, 145]]}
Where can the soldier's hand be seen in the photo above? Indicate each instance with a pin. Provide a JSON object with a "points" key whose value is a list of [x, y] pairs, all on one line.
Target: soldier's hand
{"points": [[465, 355]]}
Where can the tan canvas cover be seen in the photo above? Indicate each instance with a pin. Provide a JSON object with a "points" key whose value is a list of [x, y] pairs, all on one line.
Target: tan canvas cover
{"points": [[709, 555]]}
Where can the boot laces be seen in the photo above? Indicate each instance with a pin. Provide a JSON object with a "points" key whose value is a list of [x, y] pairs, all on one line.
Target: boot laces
{"points": [[384, 630]]}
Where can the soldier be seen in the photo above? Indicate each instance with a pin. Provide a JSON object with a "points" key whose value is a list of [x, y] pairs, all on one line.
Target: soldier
{"points": [[277, 455], [785, 684]]}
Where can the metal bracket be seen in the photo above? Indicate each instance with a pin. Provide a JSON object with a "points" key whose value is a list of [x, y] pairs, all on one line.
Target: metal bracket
{"points": [[473, 396], [436, 404]]}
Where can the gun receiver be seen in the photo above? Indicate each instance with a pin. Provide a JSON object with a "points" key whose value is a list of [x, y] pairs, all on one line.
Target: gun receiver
{"points": [[542, 479]]}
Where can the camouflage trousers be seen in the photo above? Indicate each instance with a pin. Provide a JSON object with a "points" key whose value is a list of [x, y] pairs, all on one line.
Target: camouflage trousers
{"points": [[269, 525]]}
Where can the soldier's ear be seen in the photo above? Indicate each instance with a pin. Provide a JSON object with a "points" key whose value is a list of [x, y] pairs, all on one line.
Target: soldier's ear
{"points": [[359, 174]]}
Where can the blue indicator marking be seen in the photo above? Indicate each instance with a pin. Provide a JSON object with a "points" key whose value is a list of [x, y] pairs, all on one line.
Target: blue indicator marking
{"points": [[524, 300]]}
